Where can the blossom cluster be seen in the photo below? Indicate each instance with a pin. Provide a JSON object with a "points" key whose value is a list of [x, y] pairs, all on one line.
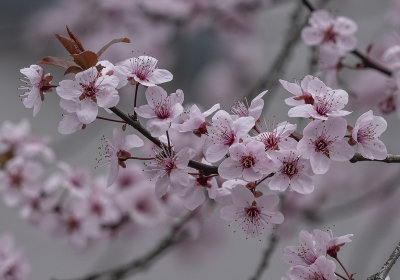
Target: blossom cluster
{"points": [[309, 260]]}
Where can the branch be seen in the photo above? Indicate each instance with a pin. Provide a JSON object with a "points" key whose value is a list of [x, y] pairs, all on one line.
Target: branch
{"points": [[147, 259], [389, 159], [205, 168], [367, 62], [384, 271]]}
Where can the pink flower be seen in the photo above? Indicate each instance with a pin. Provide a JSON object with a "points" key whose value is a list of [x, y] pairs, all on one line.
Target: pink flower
{"points": [[247, 159], [327, 102], [366, 132], [321, 269], [161, 109], [37, 85], [171, 170], [70, 123], [278, 138], [334, 33], [19, 179], [299, 90], [13, 264], [294, 172], [391, 57], [143, 70], [13, 135], [223, 133], [254, 110], [117, 152], [323, 142], [195, 120], [90, 90], [194, 193], [255, 214]]}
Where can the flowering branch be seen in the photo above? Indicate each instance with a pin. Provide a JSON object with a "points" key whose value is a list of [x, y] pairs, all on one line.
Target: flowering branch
{"points": [[205, 168], [387, 266], [145, 261], [365, 60]]}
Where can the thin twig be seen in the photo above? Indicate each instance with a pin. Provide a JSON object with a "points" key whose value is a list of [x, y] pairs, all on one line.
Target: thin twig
{"points": [[145, 261], [387, 266], [389, 159]]}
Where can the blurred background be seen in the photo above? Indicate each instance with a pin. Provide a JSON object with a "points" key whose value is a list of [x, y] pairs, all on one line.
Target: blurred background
{"points": [[217, 55]]}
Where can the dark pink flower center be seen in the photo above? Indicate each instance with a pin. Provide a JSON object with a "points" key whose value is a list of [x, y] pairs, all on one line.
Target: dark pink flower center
{"points": [[162, 111], [322, 145], [247, 161], [90, 90], [289, 168], [330, 35]]}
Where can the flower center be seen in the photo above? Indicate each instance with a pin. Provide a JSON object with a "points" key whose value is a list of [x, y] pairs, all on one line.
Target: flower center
{"points": [[330, 35], [321, 145], [247, 161], [162, 111], [289, 169]]}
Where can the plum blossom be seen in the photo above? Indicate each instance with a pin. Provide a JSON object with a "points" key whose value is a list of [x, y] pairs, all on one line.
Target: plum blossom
{"points": [[255, 214], [391, 57], [323, 141], [117, 152], [321, 269], [254, 110], [13, 264], [327, 102], [313, 245], [329, 32], [299, 90], [247, 159], [293, 171], [161, 109], [143, 70], [195, 120], [37, 85], [193, 195], [74, 179], [90, 90], [171, 170], [278, 138], [366, 132], [19, 179], [223, 133]]}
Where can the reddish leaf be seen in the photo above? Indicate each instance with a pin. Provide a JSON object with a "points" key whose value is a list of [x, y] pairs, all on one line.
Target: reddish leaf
{"points": [[73, 70], [69, 44], [86, 59], [57, 61], [115, 41], [75, 38]]}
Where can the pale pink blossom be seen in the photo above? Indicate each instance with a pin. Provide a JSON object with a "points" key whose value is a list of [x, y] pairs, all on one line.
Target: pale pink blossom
{"points": [[19, 179], [391, 58], [171, 170], [143, 70], [90, 90], [327, 31], [254, 214], [254, 110], [299, 90], [323, 141], [161, 109], [366, 132], [70, 124], [327, 102], [223, 133], [247, 159], [293, 171], [194, 193], [13, 135], [117, 152], [76, 180], [321, 269], [279, 138], [195, 120], [37, 85], [13, 264]]}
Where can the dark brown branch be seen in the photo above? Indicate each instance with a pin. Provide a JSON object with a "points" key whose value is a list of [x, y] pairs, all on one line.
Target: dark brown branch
{"points": [[387, 266], [367, 62], [205, 168], [174, 236]]}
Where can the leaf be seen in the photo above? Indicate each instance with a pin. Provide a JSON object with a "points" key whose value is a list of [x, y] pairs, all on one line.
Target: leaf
{"points": [[115, 41], [86, 59], [58, 61], [75, 38], [69, 44], [73, 70]]}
